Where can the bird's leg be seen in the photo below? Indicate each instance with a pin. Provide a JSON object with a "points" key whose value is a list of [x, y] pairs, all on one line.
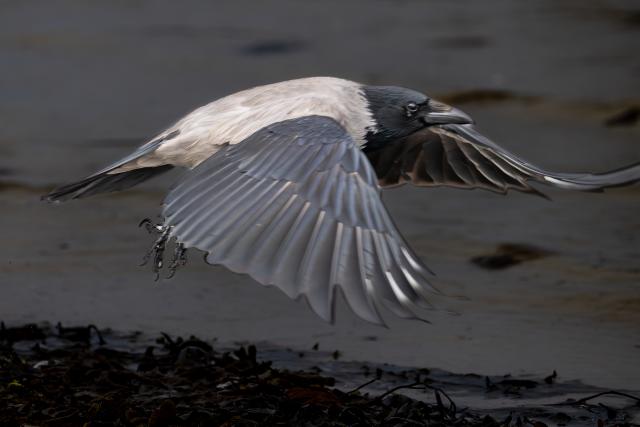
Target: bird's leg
{"points": [[179, 259], [157, 250]]}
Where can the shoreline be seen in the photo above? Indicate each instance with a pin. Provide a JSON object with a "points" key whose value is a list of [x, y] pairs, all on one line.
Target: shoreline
{"points": [[65, 375]]}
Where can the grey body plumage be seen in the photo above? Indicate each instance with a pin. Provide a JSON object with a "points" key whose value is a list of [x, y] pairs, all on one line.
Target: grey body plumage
{"points": [[284, 185]]}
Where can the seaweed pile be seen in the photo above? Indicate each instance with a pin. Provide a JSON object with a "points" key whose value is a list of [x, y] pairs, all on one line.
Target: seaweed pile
{"points": [[82, 376]]}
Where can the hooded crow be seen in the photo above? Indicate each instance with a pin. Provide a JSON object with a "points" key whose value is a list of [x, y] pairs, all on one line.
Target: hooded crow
{"points": [[283, 183]]}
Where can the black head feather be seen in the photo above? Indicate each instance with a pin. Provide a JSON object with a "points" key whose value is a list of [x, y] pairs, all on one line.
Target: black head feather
{"points": [[396, 111]]}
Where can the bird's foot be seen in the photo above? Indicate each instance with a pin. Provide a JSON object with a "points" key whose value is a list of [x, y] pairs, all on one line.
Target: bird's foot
{"points": [[157, 250]]}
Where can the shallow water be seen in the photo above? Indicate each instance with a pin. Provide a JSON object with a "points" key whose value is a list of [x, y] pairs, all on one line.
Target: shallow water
{"points": [[83, 84]]}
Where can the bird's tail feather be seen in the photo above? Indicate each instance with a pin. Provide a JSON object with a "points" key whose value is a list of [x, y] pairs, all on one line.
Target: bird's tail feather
{"points": [[104, 183]]}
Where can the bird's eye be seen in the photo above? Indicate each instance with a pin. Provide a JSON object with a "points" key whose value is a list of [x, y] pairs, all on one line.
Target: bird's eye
{"points": [[411, 108]]}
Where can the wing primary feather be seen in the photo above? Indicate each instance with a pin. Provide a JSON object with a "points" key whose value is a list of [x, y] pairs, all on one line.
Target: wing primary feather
{"points": [[349, 278], [485, 167], [363, 193], [289, 256], [338, 195], [315, 164], [386, 293], [396, 268], [337, 250], [202, 189], [207, 208], [313, 188], [333, 176], [336, 154], [271, 166], [285, 248], [279, 218], [355, 156], [310, 250], [317, 287], [271, 226], [237, 219], [401, 286], [366, 274], [267, 244], [192, 212], [295, 165], [505, 167], [420, 268], [456, 160], [351, 198], [183, 188]]}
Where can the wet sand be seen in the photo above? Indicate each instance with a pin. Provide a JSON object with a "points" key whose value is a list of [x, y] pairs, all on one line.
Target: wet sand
{"points": [[84, 84]]}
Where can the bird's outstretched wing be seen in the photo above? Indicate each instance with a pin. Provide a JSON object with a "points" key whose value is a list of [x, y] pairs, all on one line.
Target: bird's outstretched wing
{"points": [[459, 156], [297, 205]]}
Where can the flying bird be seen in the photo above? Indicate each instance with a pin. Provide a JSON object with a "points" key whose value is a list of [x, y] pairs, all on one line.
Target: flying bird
{"points": [[284, 182]]}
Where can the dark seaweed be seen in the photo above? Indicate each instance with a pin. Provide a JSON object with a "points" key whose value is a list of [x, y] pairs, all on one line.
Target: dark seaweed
{"points": [[69, 378]]}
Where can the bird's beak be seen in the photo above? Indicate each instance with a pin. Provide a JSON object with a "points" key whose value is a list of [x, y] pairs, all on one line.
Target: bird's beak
{"points": [[439, 113]]}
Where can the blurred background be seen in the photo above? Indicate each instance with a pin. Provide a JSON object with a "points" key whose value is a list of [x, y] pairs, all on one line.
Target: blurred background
{"points": [[83, 83]]}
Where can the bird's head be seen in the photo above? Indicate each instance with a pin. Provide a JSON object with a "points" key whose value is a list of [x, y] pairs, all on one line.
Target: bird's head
{"points": [[399, 112]]}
